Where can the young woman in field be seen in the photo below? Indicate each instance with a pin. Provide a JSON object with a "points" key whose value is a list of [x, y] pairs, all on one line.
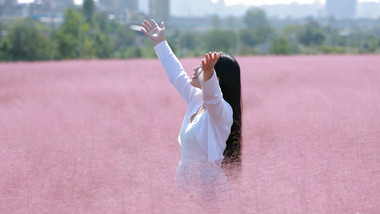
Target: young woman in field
{"points": [[210, 136]]}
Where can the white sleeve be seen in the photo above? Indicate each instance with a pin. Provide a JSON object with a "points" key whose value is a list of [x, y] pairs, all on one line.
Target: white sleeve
{"points": [[219, 110], [176, 74], [215, 130]]}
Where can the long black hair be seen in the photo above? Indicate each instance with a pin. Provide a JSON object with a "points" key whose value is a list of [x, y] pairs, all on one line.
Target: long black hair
{"points": [[228, 71]]}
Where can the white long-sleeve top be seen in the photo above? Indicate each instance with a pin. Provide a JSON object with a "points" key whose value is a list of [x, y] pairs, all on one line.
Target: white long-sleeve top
{"points": [[211, 128]]}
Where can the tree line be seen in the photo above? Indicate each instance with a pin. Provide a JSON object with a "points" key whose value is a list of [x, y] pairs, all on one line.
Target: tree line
{"points": [[86, 33]]}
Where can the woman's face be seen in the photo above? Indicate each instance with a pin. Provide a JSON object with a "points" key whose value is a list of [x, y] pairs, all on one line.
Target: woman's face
{"points": [[195, 81]]}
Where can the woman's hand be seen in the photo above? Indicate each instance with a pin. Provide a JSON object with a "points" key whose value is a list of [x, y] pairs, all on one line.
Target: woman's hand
{"points": [[154, 32], [208, 64]]}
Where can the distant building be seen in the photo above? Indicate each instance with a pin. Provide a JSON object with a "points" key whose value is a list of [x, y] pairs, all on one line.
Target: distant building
{"points": [[131, 5], [201, 8], [159, 10], [8, 8], [8, 2], [341, 8], [284, 11], [124, 11], [50, 12], [119, 5], [368, 10], [47, 11], [67, 3], [4, 3]]}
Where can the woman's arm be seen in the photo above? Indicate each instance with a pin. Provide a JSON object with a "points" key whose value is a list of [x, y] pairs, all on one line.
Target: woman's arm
{"points": [[213, 134], [176, 74], [219, 110]]}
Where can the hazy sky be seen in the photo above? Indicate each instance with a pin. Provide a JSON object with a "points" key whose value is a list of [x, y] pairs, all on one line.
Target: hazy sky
{"points": [[261, 2], [249, 2]]}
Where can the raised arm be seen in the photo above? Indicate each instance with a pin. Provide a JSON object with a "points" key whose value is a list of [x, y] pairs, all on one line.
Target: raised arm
{"points": [[214, 134], [176, 74], [219, 110]]}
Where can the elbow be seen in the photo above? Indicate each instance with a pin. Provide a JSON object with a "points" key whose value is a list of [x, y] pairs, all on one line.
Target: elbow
{"points": [[212, 101], [220, 112]]}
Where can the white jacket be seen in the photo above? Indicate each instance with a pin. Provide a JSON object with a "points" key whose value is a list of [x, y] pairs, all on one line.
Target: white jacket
{"points": [[214, 125]]}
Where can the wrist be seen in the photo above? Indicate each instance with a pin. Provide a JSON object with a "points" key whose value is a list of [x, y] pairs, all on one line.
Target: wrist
{"points": [[159, 41], [207, 75]]}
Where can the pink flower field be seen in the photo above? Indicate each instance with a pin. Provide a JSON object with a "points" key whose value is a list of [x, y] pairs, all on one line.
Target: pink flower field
{"points": [[101, 137]]}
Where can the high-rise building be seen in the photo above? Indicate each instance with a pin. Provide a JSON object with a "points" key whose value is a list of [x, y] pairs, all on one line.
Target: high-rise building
{"points": [[122, 10], [368, 10], [131, 5], [159, 10], [187, 8], [8, 2], [68, 3], [120, 5], [341, 8], [7, 7]]}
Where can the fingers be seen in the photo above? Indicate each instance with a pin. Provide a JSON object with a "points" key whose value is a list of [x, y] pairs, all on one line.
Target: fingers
{"points": [[207, 57], [147, 25], [206, 60], [219, 54], [211, 58], [146, 33], [155, 25], [146, 28]]}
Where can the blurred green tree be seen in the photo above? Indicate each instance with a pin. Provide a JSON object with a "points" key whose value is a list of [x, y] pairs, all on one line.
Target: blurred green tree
{"points": [[231, 22], [370, 44], [102, 22], [100, 35], [215, 22], [26, 40], [290, 33], [312, 34], [221, 40], [70, 37], [279, 46], [102, 45], [124, 38], [89, 11], [174, 40], [256, 19], [5, 49], [2, 26], [190, 40], [247, 37], [257, 29]]}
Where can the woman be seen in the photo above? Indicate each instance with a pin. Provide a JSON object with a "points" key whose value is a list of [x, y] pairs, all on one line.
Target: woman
{"points": [[211, 129]]}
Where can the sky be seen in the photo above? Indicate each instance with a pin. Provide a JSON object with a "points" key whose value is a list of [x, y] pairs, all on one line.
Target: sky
{"points": [[261, 2], [249, 2]]}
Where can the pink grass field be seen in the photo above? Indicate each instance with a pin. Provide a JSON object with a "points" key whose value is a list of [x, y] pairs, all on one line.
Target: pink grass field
{"points": [[101, 137]]}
